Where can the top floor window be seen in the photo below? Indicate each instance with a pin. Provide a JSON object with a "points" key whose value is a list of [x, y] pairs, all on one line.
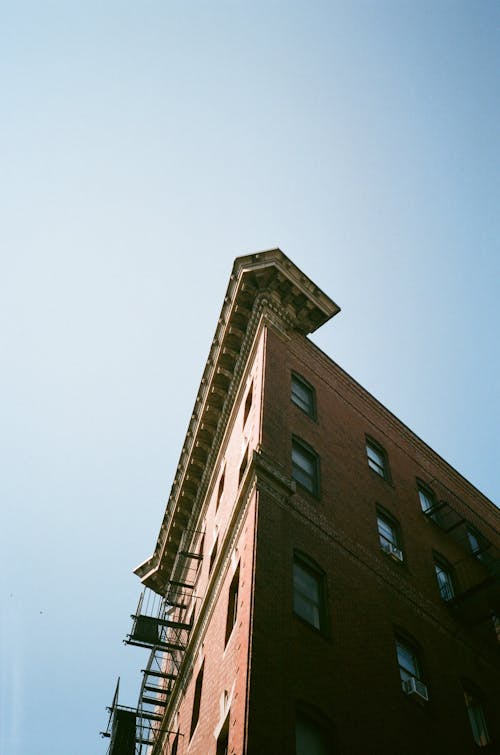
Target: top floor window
{"points": [[303, 395], [427, 498], [377, 459]]}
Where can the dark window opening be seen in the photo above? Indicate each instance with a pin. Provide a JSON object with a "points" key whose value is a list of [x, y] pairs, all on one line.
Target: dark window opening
{"points": [[243, 466], [303, 395], [312, 736], [197, 700], [223, 738], [220, 489], [309, 592], [305, 466], [213, 555], [232, 606], [477, 718], [377, 459], [248, 404]]}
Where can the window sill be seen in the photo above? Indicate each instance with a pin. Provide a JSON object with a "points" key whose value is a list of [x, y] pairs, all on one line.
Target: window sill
{"points": [[324, 633]]}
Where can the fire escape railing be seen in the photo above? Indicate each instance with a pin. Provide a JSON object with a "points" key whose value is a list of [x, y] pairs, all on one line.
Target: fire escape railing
{"points": [[160, 623], [477, 573]]}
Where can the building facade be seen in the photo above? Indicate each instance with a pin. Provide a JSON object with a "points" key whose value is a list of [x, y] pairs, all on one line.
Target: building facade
{"points": [[323, 582]]}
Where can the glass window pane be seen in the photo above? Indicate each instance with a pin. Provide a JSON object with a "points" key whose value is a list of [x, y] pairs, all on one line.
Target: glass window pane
{"points": [[305, 468], [305, 583], [376, 460], [407, 660], [386, 531], [310, 737], [444, 582], [302, 460], [426, 499], [307, 595], [303, 395], [477, 720]]}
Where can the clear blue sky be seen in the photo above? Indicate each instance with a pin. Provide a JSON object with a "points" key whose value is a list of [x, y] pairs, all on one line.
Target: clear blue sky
{"points": [[144, 146]]}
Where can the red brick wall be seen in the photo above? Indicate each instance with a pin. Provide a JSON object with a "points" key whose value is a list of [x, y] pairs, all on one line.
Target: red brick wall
{"points": [[351, 674]]}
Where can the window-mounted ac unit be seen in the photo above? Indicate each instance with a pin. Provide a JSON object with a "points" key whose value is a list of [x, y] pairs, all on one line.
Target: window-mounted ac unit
{"points": [[393, 550], [415, 688]]}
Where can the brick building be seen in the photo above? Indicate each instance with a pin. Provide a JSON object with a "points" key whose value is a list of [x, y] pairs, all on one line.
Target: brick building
{"points": [[323, 582]]}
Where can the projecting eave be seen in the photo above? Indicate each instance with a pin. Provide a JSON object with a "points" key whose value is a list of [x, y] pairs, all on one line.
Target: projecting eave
{"points": [[264, 282]]}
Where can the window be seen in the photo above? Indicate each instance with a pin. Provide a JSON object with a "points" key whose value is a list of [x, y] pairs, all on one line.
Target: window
{"points": [[232, 605], [389, 536], [303, 395], [243, 466], [220, 489], [223, 739], [427, 498], [197, 700], [213, 555], [444, 578], [377, 459], [175, 745], [199, 555], [305, 466], [477, 719], [248, 405], [311, 736], [475, 543], [309, 592], [408, 662]]}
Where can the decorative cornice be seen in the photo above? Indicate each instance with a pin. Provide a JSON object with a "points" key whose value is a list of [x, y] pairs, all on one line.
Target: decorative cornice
{"points": [[262, 284]]}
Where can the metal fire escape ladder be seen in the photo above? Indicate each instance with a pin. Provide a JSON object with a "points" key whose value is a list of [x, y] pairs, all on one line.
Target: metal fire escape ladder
{"points": [[478, 572], [121, 728], [161, 623]]}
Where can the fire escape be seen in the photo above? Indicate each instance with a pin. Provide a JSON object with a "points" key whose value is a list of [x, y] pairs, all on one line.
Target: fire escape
{"points": [[476, 600], [161, 624]]}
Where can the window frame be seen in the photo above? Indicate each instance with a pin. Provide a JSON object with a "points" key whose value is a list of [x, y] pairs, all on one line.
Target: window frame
{"points": [[311, 569], [308, 407], [198, 691], [444, 566], [248, 404], [222, 745], [409, 645], [301, 447], [381, 469], [474, 704], [315, 719], [220, 488], [213, 554], [387, 519], [232, 605]]}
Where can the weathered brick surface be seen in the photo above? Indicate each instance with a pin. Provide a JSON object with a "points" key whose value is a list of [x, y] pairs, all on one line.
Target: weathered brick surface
{"points": [[274, 660], [351, 674]]}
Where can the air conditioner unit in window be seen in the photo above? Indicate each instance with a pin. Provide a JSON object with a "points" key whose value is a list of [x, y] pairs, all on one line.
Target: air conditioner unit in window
{"points": [[393, 550], [415, 688]]}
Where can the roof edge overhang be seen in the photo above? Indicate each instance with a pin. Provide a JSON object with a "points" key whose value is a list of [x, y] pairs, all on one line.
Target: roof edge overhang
{"points": [[266, 278]]}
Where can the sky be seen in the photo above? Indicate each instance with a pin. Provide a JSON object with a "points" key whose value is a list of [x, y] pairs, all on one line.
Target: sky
{"points": [[143, 147]]}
